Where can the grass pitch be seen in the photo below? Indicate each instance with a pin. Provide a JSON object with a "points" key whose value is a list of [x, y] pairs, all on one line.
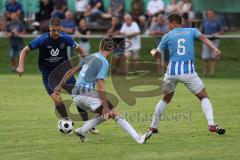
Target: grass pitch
{"points": [[28, 122]]}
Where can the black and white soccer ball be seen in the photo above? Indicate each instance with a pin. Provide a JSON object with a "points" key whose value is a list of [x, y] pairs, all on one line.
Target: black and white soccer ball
{"points": [[65, 126]]}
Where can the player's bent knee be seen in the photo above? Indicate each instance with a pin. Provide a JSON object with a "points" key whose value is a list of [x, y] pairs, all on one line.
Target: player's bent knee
{"points": [[168, 97], [114, 114], [56, 99], [202, 94]]}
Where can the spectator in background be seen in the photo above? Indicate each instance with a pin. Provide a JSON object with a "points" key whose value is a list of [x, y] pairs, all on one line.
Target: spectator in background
{"points": [[84, 31], [61, 4], [158, 30], [172, 8], [68, 25], [154, 7], [137, 9], [59, 9], [81, 7], [114, 30], [143, 25], [43, 15], [185, 7], [154, 21], [212, 26], [116, 8], [97, 4], [57, 13], [96, 10], [11, 6], [131, 31], [15, 29]]}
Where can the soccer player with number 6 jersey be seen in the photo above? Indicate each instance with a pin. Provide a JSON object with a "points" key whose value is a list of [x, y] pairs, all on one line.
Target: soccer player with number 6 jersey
{"points": [[180, 43]]}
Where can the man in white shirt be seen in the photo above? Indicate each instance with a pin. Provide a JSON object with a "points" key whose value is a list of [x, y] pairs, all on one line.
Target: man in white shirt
{"points": [[154, 7], [81, 7], [131, 31]]}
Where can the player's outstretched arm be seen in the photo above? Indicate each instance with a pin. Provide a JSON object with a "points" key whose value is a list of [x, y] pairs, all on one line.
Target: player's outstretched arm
{"points": [[206, 41], [23, 54], [69, 74], [154, 52], [81, 51], [102, 95]]}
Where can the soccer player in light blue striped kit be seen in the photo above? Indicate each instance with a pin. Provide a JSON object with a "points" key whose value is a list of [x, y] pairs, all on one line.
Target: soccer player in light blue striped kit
{"points": [[180, 43], [93, 72]]}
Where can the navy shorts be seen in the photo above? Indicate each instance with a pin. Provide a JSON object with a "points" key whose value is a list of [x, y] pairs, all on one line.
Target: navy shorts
{"points": [[50, 84]]}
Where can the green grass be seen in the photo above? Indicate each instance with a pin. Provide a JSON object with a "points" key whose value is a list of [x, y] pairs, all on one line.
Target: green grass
{"points": [[28, 122]]}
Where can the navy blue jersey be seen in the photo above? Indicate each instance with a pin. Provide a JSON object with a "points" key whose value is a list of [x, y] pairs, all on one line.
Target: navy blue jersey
{"points": [[52, 52]]}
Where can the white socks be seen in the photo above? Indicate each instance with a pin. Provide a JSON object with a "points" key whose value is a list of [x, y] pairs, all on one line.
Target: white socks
{"points": [[207, 110], [91, 123], [120, 120], [128, 128], [206, 107], [158, 111]]}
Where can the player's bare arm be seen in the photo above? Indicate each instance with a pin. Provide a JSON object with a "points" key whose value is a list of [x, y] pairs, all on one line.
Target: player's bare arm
{"points": [[154, 52], [206, 41], [69, 74], [23, 54], [81, 51], [102, 95]]}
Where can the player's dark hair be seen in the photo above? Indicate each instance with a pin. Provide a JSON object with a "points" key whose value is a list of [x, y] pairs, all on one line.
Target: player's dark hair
{"points": [[55, 22], [175, 18], [107, 44]]}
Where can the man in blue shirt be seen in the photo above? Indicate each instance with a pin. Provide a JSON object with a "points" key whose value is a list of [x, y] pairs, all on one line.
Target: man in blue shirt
{"points": [[15, 29], [212, 26], [94, 69], [52, 53], [68, 25], [11, 6], [96, 10], [180, 43]]}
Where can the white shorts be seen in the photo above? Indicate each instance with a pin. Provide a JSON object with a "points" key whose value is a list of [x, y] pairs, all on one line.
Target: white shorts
{"points": [[191, 81], [133, 53], [89, 101], [207, 53]]}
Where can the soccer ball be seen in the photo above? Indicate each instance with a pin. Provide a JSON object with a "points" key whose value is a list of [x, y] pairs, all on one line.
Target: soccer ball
{"points": [[65, 126]]}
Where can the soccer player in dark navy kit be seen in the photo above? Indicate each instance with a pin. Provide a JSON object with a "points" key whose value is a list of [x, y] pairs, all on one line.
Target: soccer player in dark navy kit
{"points": [[53, 53]]}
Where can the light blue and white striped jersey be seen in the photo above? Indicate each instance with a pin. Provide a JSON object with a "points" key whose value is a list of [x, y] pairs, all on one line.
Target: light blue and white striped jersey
{"points": [[180, 44], [94, 67]]}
